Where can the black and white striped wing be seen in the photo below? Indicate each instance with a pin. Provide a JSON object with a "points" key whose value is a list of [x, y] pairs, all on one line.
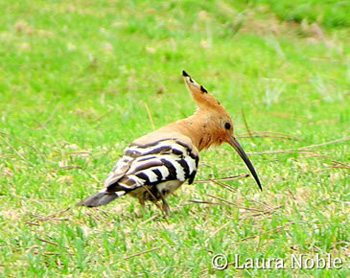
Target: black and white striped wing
{"points": [[150, 164]]}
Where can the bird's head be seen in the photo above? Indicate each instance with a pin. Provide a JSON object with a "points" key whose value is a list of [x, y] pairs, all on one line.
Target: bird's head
{"points": [[213, 121]]}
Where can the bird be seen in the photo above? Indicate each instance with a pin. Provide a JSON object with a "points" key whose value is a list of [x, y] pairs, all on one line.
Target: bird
{"points": [[155, 165]]}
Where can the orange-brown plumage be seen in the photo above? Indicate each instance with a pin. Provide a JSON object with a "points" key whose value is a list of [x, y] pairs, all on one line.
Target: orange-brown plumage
{"points": [[155, 165], [206, 126]]}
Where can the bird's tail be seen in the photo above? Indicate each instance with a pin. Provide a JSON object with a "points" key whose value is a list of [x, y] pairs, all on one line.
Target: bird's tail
{"points": [[101, 198]]}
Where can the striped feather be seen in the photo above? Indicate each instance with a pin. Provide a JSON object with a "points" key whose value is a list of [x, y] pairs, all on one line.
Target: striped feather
{"points": [[153, 163]]}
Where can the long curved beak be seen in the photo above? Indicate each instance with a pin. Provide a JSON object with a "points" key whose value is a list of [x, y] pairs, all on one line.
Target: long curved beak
{"points": [[234, 143]]}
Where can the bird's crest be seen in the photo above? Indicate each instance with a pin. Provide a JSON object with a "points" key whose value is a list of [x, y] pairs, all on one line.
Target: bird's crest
{"points": [[204, 100]]}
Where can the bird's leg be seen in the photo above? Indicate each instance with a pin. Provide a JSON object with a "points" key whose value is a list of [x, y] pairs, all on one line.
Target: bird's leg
{"points": [[142, 203], [142, 208], [165, 206]]}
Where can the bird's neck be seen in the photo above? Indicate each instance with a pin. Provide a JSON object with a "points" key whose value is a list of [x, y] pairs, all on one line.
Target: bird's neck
{"points": [[198, 129]]}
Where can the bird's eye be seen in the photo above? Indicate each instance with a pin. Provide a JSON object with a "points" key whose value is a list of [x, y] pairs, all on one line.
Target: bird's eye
{"points": [[227, 126]]}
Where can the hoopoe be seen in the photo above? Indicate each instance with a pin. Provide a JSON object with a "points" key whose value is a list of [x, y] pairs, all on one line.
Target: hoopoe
{"points": [[155, 165]]}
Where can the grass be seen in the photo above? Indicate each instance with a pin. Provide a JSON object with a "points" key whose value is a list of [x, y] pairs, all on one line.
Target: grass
{"points": [[76, 79]]}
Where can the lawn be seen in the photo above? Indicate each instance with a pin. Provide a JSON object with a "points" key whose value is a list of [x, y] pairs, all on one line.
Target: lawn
{"points": [[80, 80]]}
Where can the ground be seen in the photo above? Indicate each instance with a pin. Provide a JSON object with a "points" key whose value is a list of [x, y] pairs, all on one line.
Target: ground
{"points": [[80, 80]]}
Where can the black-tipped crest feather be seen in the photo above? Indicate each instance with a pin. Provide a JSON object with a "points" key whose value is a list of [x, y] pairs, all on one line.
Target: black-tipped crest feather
{"points": [[203, 90]]}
